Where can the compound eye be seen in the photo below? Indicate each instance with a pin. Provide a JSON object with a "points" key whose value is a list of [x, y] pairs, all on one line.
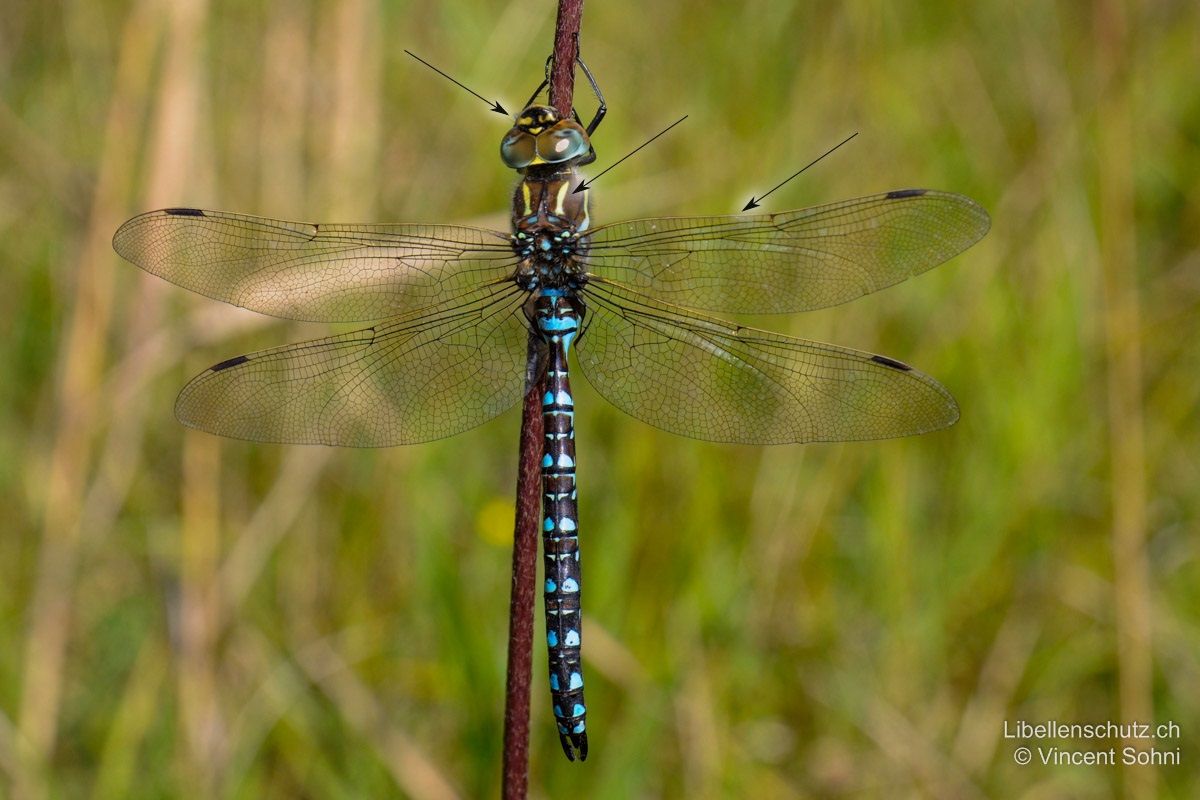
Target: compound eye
{"points": [[517, 149], [562, 144]]}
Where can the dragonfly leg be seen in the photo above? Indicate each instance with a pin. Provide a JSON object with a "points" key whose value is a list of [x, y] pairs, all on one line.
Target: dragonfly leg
{"points": [[602, 109]]}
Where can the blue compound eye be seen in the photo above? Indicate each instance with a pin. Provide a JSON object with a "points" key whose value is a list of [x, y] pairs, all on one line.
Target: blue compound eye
{"points": [[518, 149], [562, 144]]}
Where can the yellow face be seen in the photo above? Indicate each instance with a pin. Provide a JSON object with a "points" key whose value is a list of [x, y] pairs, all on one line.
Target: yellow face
{"points": [[542, 137]]}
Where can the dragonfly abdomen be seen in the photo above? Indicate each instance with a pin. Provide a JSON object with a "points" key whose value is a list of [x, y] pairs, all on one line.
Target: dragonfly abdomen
{"points": [[557, 321]]}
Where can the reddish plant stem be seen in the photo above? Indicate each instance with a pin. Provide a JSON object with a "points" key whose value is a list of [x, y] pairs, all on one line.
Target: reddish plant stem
{"points": [[515, 773], [515, 769], [566, 50]]}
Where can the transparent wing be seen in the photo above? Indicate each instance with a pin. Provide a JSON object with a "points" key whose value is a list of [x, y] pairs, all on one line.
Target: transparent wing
{"points": [[790, 261], [408, 379], [322, 273], [700, 377]]}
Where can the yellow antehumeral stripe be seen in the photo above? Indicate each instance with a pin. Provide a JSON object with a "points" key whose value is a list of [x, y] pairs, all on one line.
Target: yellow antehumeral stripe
{"points": [[560, 199], [528, 199]]}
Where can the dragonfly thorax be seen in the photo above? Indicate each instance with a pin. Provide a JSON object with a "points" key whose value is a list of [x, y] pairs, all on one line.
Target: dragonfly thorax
{"points": [[550, 223], [550, 267]]}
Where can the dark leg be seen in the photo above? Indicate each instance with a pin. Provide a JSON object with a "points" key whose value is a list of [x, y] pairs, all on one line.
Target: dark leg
{"points": [[603, 108]]}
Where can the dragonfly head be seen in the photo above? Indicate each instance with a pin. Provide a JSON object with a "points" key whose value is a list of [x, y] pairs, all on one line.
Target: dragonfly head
{"points": [[541, 136]]}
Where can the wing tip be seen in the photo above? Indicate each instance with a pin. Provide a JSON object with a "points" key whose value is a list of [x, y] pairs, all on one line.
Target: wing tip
{"points": [[119, 241], [974, 218]]}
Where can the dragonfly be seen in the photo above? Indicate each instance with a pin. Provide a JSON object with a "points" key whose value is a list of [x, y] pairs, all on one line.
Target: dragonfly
{"points": [[453, 309]]}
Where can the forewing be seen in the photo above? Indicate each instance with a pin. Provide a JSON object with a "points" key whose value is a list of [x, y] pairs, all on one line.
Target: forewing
{"points": [[790, 261], [408, 379], [700, 377], [298, 270]]}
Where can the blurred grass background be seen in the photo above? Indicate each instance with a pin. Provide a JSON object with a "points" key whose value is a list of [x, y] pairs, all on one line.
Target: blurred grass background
{"points": [[187, 617]]}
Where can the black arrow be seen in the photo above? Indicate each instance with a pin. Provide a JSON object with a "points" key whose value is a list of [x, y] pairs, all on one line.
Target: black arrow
{"points": [[754, 200], [586, 184], [499, 109]]}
